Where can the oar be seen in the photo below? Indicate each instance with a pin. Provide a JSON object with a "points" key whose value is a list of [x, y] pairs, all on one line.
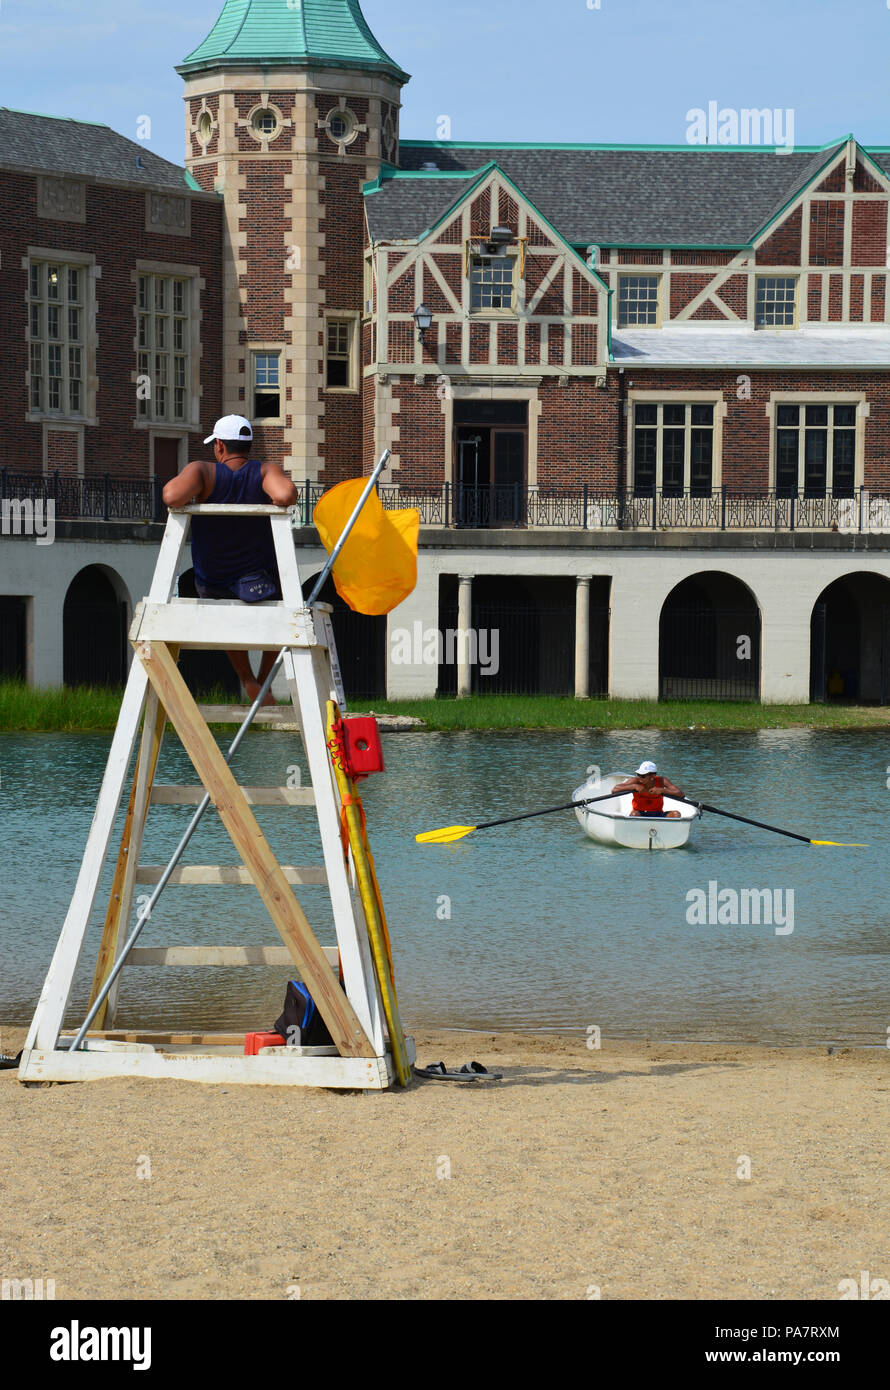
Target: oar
{"points": [[761, 825], [457, 832]]}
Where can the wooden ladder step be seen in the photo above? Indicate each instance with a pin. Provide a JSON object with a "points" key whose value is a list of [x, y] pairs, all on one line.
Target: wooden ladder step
{"points": [[209, 875], [168, 795], [220, 955], [277, 716]]}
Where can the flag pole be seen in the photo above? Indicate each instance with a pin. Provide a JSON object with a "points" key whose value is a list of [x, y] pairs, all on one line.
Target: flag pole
{"points": [[371, 484]]}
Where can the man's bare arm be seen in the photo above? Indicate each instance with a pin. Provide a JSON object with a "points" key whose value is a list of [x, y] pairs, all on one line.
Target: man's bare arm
{"points": [[631, 785], [278, 487], [189, 486], [669, 789]]}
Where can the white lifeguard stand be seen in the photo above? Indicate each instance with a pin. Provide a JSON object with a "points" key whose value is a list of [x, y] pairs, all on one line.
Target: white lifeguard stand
{"points": [[363, 1053]]}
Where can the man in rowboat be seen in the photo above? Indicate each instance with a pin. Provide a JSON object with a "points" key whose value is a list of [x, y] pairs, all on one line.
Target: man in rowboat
{"points": [[649, 791]]}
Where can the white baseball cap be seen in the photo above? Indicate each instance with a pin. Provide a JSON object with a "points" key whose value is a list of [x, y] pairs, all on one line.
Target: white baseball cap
{"points": [[645, 768], [231, 427]]}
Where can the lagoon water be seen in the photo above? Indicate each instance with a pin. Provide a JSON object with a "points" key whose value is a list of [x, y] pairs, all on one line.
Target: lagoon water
{"points": [[529, 926]]}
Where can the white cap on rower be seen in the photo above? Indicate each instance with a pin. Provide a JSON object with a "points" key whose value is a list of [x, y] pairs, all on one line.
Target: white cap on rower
{"points": [[645, 768], [231, 427]]}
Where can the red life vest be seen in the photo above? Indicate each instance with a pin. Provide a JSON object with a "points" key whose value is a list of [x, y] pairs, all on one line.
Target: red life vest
{"points": [[645, 803]]}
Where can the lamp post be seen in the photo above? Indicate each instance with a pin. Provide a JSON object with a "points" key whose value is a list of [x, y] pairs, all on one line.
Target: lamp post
{"points": [[423, 317]]}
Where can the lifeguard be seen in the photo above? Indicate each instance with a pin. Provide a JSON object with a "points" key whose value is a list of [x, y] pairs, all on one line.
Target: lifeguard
{"points": [[649, 791]]}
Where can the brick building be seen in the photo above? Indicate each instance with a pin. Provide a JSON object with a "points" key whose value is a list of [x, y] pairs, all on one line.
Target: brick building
{"points": [[646, 419]]}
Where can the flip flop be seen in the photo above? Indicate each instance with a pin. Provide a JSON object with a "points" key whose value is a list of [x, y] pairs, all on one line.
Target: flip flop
{"points": [[9, 1063], [470, 1071]]}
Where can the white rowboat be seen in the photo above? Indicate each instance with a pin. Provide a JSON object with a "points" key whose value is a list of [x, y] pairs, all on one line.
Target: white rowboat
{"points": [[611, 823]]}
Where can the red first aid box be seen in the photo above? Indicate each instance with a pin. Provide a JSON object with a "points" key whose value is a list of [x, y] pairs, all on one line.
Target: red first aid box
{"points": [[254, 1041], [362, 748]]}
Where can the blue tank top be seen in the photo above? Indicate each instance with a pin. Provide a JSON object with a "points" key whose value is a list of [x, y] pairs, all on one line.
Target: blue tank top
{"points": [[225, 551]]}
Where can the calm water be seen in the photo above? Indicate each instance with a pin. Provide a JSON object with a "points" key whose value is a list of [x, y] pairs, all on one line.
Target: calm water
{"points": [[546, 929]]}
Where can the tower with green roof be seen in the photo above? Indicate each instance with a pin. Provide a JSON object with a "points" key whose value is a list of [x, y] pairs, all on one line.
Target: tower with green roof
{"points": [[291, 105]]}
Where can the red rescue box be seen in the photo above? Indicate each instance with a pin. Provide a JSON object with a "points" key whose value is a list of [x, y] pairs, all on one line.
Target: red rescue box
{"points": [[362, 749], [254, 1041]]}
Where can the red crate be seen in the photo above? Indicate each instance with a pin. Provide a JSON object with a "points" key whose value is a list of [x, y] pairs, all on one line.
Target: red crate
{"points": [[254, 1041]]}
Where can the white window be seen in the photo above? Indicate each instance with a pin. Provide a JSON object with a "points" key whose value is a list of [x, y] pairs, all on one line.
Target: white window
{"points": [[57, 341], [776, 301], [266, 385], [637, 300], [339, 354], [492, 283], [164, 347]]}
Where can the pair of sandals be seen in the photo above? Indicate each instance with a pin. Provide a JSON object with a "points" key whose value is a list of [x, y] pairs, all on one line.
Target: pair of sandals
{"points": [[470, 1071]]}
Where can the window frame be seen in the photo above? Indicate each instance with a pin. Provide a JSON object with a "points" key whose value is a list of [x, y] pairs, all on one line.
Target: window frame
{"points": [[626, 275], [487, 312], [67, 261], [255, 351], [688, 399], [829, 399], [193, 319], [778, 327], [162, 346], [352, 320]]}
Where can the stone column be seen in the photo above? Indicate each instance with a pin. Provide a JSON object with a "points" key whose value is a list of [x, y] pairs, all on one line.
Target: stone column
{"points": [[582, 636], [464, 623]]}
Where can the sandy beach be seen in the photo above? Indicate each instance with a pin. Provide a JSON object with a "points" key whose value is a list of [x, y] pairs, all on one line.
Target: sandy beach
{"points": [[614, 1170]]}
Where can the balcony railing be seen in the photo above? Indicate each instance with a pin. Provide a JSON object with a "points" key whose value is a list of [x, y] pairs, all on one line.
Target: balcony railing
{"points": [[106, 498]]}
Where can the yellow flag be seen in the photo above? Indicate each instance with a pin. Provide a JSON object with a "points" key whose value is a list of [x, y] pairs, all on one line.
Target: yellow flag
{"points": [[377, 567]]}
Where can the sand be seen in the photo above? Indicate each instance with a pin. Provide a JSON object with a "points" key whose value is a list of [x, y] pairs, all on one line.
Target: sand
{"points": [[614, 1170]]}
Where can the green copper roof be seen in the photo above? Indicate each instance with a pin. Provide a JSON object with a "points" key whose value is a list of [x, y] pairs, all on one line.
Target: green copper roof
{"points": [[292, 33]]}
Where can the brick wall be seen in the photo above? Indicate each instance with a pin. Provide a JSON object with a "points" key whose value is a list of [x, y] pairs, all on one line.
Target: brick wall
{"points": [[869, 234], [114, 231], [783, 247]]}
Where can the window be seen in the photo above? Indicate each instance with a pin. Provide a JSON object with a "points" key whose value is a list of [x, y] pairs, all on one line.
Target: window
{"points": [[491, 282], [205, 128], [338, 355], [266, 385], [163, 357], [264, 123], [815, 450], [776, 301], [637, 300], [57, 346], [673, 448], [341, 125]]}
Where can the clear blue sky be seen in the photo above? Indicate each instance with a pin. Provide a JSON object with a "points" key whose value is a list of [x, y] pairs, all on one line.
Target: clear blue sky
{"points": [[501, 70]]}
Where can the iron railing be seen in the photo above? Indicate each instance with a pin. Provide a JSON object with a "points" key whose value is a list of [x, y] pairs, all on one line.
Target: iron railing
{"points": [[103, 497]]}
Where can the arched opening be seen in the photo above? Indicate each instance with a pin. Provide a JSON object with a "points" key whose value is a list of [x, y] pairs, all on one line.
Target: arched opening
{"points": [[95, 620], [709, 640], [850, 640], [361, 644], [524, 628]]}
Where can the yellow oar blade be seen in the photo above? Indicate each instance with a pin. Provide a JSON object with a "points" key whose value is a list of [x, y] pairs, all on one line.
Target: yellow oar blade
{"points": [[838, 844], [445, 835]]}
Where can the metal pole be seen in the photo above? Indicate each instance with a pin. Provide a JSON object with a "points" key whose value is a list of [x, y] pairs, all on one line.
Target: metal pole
{"points": [[371, 483], [196, 818]]}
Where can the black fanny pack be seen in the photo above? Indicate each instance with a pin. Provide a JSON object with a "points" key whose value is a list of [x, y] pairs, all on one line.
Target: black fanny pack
{"points": [[253, 588]]}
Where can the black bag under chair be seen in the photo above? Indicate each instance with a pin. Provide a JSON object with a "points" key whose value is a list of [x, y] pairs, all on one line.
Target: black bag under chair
{"points": [[301, 1025]]}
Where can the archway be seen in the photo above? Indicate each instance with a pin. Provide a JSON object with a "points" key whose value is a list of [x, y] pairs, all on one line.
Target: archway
{"points": [[95, 620], [850, 640], [709, 640], [361, 644]]}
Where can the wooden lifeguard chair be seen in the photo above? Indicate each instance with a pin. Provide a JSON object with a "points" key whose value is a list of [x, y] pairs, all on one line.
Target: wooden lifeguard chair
{"points": [[369, 1050]]}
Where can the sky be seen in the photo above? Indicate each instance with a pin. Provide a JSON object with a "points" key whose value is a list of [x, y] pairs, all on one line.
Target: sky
{"points": [[583, 71]]}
